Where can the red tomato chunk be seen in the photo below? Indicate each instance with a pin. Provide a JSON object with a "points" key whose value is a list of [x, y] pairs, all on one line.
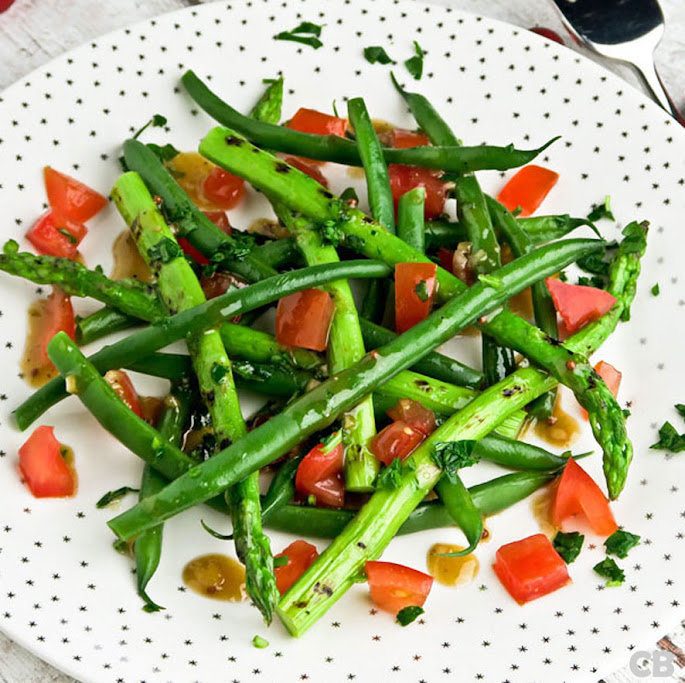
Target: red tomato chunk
{"points": [[316, 122], [42, 466], [527, 189], [405, 178], [303, 319], [57, 316], [223, 189], [71, 197], [401, 138], [394, 586], [320, 475], [578, 494], [397, 440], [123, 387], [611, 377], [413, 414], [530, 568], [579, 305], [414, 290], [308, 168], [55, 234], [300, 556]]}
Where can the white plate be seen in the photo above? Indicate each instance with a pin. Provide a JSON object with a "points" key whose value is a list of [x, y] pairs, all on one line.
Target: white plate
{"points": [[69, 598]]}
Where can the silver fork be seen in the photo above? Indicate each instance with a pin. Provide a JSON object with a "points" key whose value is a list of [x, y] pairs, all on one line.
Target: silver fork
{"points": [[624, 30]]}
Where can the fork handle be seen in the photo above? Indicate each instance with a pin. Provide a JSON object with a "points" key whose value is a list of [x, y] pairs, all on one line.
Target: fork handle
{"points": [[651, 80]]}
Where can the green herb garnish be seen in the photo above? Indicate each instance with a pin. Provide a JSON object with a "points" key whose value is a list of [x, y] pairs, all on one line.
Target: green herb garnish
{"points": [[281, 561], [218, 373], [601, 211], [408, 614], [68, 235], [415, 64], [306, 33], [451, 456], [568, 545], [608, 569], [111, 496], [376, 55], [350, 195], [331, 233], [260, 642], [655, 290], [157, 121], [669, 439], [165, 152], [421, 290], [216, 534], [620, 543], [165, 251], [390, 477]]}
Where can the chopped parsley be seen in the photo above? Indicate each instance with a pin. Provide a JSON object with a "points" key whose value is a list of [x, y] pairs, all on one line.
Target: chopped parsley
{"points": [[568, 545], [331, 233], [680, 407], [390, 477], [218, 373], [655, 290], [620, 543], [157, 121], [376, 55], [306, 33], [421, 290], [350, 195], [608, 569], [165, 251], [164, 152], [216, 534], [408, 614], [415, 64], [111, 496], [451, 456], [68, 235], [669, 439], [281, 561], [601, 211]]}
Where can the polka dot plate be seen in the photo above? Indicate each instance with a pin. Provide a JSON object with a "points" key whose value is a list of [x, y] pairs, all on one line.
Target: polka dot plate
{"points": [[68, 597]]}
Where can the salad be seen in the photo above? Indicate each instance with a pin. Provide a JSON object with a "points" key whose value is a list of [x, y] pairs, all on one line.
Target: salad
{"points": [[367, 425]]}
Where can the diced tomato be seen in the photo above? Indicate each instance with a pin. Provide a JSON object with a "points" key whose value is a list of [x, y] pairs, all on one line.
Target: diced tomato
{"points": [[219, 283], [55, 234], [547, 33], [414, 290], [413, 414], [306, 167], [303, 319], [316, 122], [223, 189], [319, 475], [445, 256], [71, 197], [5, 5], [401, 138], [42, 466], [124, 389], [611, 377], [578, 494], [527, 189], [405, 178], [530, 568], [397, 440], [394, 586], [300, 556], [220, 219], [579, 305], [56, 316]]}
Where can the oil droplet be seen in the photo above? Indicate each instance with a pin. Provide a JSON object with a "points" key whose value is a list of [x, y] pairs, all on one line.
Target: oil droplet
{"points": [[190, 170], [486, 536], [128, 263], [268, 228], [451, 571], [35, 366], [216, 576], [67, 453], [382, 127], [541, 506], [560, 430], [356, 172]]}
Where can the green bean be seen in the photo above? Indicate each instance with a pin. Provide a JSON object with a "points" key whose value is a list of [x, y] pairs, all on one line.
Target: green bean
{"points": [[281, 490], [463, 510], [410, 225], [101, 324], [208, 315], [343, 151], [373, 304], [433, 364], [371, 154], [543, 307], [490, 497]]}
